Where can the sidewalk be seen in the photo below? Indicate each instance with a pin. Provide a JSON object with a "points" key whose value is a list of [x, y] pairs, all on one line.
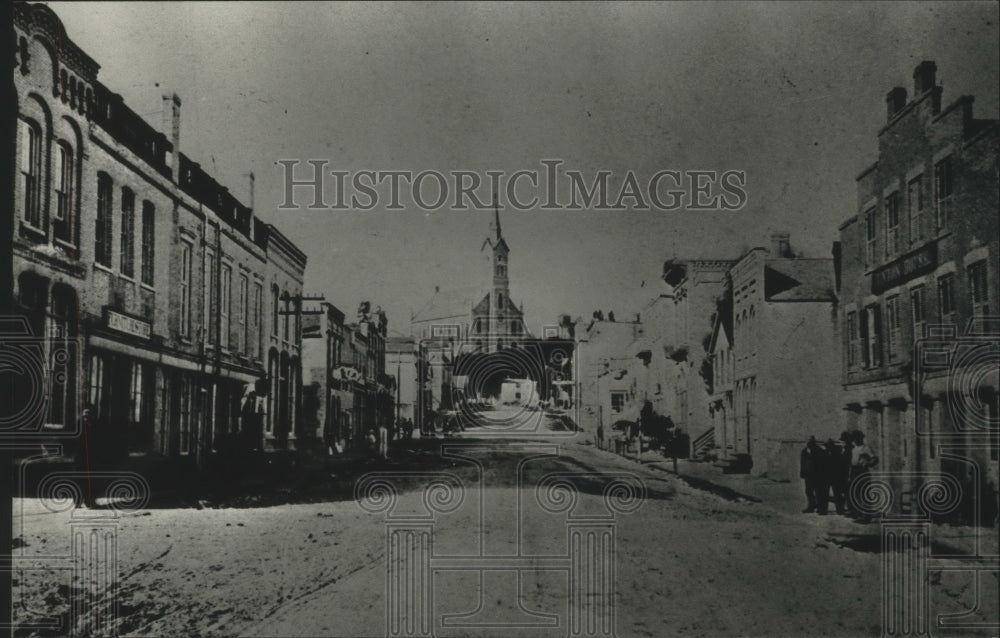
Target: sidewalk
{"points": [[788, 498]]}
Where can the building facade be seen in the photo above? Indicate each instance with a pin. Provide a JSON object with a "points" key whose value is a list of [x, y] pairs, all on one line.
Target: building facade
{"points": [[920, 264], [697, 286], [779, 365], [147, 274]]}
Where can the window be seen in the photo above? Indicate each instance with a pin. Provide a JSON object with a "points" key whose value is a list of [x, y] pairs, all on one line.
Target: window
{"points": [[140, 432], [244, 311], [501, 270], [185, 289], [102, 231], [946, 297], [917, 308], [148, 242], [284, 317], [31, 172], [62, 374], [211, 281], [892, 326], [258, 317], [942, 192], [274, 311], [852, 339], [915, 207], [500, 305], [617, 401], [63, 183], [128, 233], [186, 405], [978, 290], [225, 304], [871, 235], [95, 386], [892, 224], [871, 336]]}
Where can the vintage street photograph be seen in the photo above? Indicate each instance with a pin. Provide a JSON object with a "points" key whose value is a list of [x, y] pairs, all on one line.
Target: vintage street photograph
{"points": [[500, 319]]}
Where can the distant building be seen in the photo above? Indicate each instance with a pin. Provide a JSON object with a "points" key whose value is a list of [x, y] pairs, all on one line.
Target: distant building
{"points": [[697, 286], [401, 362], [607, 369], [328, 389], [919, 293], [486, 323]]}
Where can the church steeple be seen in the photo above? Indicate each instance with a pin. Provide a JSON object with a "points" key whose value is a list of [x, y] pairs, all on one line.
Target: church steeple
{"points": [[496, 213]]}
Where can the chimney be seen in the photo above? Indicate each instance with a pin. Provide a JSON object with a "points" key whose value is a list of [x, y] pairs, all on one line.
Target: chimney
{"points": [[172, 127], [780, 246], [894, 101], [924, 77]]}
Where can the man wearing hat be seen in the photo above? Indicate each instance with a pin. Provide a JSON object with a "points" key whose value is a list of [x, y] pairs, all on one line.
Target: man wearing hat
{"points": [[811, 464], [840, 468]]}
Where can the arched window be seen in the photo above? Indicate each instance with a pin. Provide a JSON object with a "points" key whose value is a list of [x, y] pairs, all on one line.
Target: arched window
{"points": [[284, 316], [274, 310], [31, 172], [62, 182], [500, 305]]}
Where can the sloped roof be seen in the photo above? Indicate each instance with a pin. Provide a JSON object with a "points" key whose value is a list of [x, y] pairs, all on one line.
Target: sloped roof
{"points": [[792, 279]]}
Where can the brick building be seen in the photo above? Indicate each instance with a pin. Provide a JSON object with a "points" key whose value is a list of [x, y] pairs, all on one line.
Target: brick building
{"points": [[773, 355], [127, 249], [920, 264]]}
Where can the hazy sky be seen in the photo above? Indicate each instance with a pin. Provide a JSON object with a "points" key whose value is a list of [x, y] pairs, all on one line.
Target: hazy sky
{"points": [[793, 94]]}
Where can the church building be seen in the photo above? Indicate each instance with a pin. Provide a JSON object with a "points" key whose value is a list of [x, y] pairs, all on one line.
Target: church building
{"points": [[486, 321]]}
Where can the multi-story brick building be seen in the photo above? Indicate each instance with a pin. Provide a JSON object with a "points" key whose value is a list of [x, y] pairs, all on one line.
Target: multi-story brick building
{"points": [[127, 248], [920, 264], [774, 359]]}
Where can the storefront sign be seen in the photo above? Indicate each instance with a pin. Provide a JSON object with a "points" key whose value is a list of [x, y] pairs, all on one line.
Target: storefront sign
{"points": [[128, 325], [919, 262]]}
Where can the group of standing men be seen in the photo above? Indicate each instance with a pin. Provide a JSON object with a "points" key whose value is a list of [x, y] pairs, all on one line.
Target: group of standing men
{"points": [[834, 467]]}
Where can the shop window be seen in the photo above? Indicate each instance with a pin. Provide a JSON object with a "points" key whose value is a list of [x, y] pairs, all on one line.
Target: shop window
{"points": [[184, 416], [60, 340]]}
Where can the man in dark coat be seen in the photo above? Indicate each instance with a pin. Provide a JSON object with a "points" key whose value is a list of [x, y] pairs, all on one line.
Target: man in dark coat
{"points": [[811, 465], [841, 472]]}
